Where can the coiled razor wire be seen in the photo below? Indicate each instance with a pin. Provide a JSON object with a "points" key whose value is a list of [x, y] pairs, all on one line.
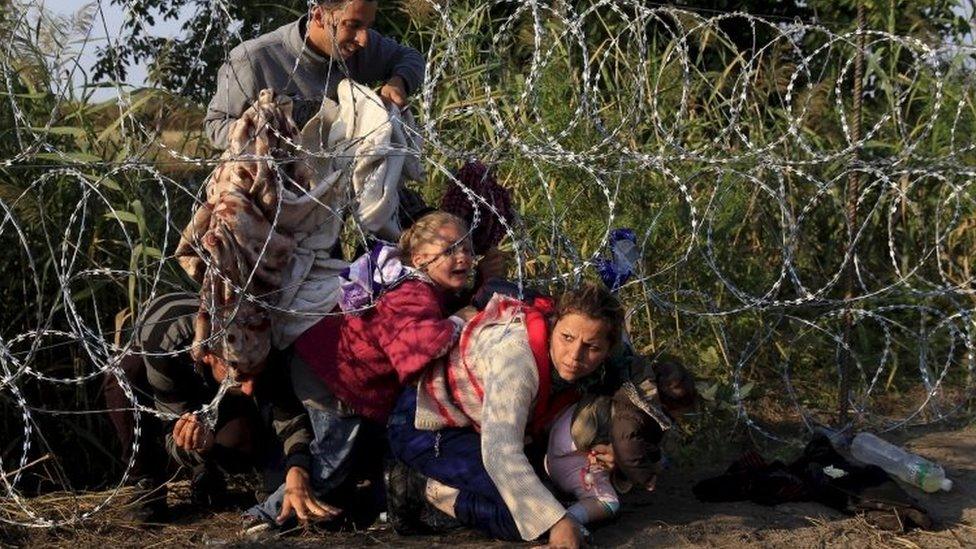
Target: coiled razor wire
{"points": [[609, 102]]}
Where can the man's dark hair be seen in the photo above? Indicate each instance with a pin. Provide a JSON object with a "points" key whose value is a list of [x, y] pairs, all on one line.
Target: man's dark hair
{"points": [[332, 4]]}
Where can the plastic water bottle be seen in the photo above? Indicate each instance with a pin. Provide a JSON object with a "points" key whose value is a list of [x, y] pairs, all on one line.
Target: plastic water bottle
{"points": [[914, 470]]}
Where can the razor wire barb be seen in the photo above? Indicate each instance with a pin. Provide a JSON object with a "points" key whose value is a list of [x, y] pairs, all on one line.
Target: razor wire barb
{"points": [[598, 115]]}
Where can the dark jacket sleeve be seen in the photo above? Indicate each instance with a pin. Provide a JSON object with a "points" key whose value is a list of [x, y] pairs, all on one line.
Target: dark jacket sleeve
{"points": [[636, 439], [385, 58], [288, 416]]}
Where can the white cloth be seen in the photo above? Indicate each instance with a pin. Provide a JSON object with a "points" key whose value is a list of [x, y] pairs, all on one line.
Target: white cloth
{"points": [[359, 153]]}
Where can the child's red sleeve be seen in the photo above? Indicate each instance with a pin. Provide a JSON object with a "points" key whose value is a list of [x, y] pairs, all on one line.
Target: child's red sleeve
{"points": [[414, 331]]}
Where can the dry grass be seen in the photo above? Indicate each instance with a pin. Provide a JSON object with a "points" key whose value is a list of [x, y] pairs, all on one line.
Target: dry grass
{"points": [[669, 517], [115, 526]]}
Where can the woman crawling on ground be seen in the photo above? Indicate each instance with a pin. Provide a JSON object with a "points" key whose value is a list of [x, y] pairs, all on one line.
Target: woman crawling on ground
{"points": [[464, 426], [349, 368]]}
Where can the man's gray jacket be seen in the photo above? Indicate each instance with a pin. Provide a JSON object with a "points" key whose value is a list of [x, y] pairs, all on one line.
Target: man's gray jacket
{"points": [[281, 60]]}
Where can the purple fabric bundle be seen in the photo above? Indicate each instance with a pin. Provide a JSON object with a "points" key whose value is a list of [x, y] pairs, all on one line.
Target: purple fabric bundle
{"points": [[362, 282], [624, 256]]}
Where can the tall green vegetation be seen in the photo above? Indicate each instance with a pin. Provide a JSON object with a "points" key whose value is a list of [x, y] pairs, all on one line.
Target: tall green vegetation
{"points": [[687, 145], [82, 235]]}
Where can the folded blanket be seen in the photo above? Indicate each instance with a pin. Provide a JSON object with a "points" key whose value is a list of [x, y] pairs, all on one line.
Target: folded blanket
{"points": [[261, 243], [363, 151]]}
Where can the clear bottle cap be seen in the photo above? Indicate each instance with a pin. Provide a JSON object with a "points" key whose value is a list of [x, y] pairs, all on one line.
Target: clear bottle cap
{"points": [[946, 485]]}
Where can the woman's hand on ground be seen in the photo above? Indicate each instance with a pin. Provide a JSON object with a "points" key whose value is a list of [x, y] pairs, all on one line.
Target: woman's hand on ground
{"points": [[601, 455], [192, 435], [300, 500], [564, 535]]}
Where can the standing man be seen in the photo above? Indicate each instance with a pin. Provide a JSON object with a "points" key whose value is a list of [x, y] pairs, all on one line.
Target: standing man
{"points": [[308, 58]]}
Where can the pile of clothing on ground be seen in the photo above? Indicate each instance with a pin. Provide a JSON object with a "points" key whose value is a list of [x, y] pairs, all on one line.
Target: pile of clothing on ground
{"points": [[821, 475]]}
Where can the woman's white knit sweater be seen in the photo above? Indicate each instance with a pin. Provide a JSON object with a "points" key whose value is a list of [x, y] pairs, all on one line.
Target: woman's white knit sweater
{"points": [[511, 382]]}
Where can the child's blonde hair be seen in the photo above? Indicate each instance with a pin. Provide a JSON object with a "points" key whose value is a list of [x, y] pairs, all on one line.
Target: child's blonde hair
{"points": [[424, 230]]}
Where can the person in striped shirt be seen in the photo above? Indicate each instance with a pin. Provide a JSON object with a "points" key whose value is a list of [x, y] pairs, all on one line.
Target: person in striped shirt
{"points": [[238, 440]]}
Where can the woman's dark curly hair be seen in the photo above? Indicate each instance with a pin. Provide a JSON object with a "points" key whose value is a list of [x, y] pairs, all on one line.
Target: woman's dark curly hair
{"points": [[594, 301]]}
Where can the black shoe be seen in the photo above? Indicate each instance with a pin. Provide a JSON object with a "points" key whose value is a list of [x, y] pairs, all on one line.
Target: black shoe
{"points": [[405, 499], [207, 487], [437, 521], [367, 504]]}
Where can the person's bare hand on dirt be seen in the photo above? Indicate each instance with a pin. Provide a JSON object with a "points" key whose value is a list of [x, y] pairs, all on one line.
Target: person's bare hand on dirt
{"points": [[300, 501], [564, 535], [192, 435]]}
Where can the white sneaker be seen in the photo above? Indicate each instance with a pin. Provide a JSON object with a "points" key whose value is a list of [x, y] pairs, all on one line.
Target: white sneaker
{"points": [[254, 528]]}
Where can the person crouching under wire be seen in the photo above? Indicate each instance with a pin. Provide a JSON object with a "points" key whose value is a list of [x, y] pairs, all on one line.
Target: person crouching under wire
{"points": [[257, 424]]}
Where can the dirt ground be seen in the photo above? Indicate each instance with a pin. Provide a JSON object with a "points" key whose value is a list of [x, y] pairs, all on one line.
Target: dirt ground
{"points": [[670, 517]]}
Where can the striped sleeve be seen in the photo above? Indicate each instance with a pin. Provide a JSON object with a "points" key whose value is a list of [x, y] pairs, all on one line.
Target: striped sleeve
{"points": [[165, 335], [288, 417]]}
